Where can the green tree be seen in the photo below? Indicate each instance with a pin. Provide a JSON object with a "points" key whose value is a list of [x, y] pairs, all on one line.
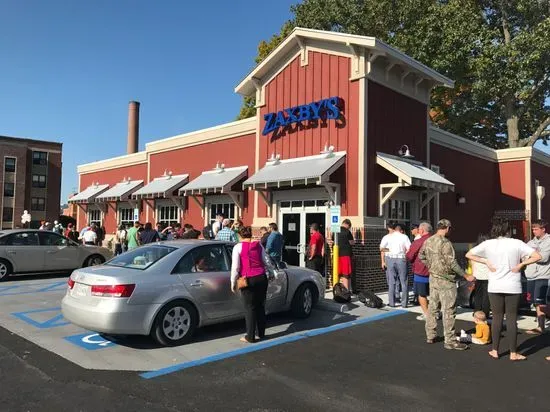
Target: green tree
{"points": [[497, 51]]}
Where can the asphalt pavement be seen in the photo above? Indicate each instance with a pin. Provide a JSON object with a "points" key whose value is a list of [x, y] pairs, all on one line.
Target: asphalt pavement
{"points": [[383, 365]]}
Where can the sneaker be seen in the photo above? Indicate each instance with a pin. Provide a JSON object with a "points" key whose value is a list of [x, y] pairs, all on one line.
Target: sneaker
{"points": [[455, 346], [421, 317]]}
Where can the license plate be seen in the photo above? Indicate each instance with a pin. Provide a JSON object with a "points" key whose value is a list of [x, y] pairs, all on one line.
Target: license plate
{"points": [[80, 290]]}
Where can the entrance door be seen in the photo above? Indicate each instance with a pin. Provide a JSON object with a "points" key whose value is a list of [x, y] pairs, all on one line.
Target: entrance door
{"points": [[291, 231]]}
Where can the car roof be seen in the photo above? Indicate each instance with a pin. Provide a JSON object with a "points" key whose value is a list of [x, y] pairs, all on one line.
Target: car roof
{"points": [[182, 243]]}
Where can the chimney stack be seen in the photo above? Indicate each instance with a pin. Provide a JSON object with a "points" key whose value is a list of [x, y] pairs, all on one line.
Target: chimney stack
{"points": [[133, 127]]}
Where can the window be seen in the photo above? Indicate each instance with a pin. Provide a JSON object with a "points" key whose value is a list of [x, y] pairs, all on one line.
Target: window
{"points": [[7, 214], [9, 189], [399, 210], [9, 164], [126, 216], [94, 216], [20, 239], [39, 158], [203, 259], [52, 239], [38, 181], [141, 258], [226, 209], [38, 203], [435, 169], [168, 215]]}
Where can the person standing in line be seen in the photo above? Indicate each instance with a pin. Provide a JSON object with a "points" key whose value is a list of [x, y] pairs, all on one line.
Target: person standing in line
{"points": [[420, 271], [538, 274], [248, 259], [236, 225], [133, 237], [504, 257], [226, 234], [274, 243], [120, 240], [390, 228], [438, 255], [217, 225], [149, 235], [264, 234], [71, 233], [345, 253], [89, 237], [395, 246], [316, 249], [414, 231], [481, 273]]}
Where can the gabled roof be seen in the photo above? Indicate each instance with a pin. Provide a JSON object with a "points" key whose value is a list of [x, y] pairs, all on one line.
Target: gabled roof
{"points": [[218, 180], [299, 37]]}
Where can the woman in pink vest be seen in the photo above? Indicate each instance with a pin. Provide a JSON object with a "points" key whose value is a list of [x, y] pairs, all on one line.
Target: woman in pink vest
{"points": [[248, 261]]}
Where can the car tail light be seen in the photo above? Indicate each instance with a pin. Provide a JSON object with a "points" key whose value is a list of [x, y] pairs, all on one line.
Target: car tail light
{"points": [[113, 291], [70, 282]]}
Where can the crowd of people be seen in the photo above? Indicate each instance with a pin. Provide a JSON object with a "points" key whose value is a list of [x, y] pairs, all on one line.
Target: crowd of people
{"points": [[498, 263]]}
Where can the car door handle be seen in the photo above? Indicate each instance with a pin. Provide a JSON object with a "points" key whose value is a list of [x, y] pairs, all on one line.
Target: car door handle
{"points": [[11, 252], [198, 283], [50, 251]]}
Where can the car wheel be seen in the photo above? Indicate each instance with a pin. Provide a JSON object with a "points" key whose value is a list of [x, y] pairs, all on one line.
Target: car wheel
{"points": [[94, 260], [175, 323], [303, 301], [5, 269]]}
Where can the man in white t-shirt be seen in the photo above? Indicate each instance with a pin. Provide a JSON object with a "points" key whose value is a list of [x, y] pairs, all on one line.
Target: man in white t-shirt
{"points": [[89, 237], [217, 225], [395, 246]]}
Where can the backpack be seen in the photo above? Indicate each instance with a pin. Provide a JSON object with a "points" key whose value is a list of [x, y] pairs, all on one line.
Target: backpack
{"points": [[208, 233], [341, 294], [370, 300]]}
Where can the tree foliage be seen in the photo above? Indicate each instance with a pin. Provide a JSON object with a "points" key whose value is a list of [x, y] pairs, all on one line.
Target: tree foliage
{"points": [[497, 51]]}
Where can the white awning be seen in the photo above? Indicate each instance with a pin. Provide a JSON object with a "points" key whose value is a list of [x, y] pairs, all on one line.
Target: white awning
{"points": [[299, 171], [120, 191], [219, 180], [161, 187], [413, 173], [89, 194]]}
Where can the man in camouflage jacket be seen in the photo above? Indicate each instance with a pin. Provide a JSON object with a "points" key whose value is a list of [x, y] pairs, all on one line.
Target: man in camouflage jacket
{"points": [[438, 255]]}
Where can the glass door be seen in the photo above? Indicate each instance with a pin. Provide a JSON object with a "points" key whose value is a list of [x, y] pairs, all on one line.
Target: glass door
{"points": [[291, 229]]}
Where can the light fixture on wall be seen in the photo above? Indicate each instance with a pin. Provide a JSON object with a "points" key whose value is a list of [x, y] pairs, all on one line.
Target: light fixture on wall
{"points": [[460, 200], [404, 152]]}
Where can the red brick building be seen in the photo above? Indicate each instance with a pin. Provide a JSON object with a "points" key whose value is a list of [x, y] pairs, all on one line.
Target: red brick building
{"points": [[337, 116], [30, 175]]}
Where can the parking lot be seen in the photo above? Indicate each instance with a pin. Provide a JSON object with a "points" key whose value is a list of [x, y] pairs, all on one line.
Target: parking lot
{"points": [[32, 310]]}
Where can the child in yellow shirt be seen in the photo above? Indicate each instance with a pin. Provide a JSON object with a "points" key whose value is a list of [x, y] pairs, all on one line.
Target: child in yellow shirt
{"points": [[483, 331]]}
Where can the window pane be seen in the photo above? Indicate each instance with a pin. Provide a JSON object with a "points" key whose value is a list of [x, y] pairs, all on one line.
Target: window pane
{"points": [[39, 158], [141, 258], [9, 189], [297, 203], [203, 259], [23, 239], [321, 202], [51, 239], [285, 204], [7, 214], [9, 164], [309, 203]]}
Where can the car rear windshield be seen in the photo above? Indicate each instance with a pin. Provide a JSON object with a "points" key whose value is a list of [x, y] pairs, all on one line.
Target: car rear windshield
{"points": [[141, 258]]}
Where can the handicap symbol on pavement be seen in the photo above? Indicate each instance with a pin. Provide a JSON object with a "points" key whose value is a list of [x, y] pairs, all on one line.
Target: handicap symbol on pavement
{"points": [[90, 341], [38, 321]]}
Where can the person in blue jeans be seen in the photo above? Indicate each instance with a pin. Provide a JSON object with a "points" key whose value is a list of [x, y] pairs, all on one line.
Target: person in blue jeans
{"points": [[395, 246], [274, 246]]}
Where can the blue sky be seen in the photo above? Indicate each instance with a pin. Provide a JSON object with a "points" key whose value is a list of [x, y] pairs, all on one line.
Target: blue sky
{"points": [[70, 67]]}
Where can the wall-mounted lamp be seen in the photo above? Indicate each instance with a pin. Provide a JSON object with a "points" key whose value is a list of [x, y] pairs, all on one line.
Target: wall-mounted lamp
{"points": [[405, 152], [460, 200]]}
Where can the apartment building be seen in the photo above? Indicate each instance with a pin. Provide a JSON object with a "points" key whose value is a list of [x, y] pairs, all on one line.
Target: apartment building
{"points": [[30, 177]]}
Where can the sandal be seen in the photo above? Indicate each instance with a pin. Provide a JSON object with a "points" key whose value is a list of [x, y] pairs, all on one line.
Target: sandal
{"points": [[494, 355], [535, 331], [245, 340], [518, 358]]}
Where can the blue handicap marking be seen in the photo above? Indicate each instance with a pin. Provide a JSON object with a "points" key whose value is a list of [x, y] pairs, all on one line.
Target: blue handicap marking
{"points": [[54, 286], [90, 341], [6, 288], [54, 319], [334, 219]]}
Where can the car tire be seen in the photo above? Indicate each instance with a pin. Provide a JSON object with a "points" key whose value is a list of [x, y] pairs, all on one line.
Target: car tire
{"points": [[303, 301], [5, 269], [94, 260], [175, 324]]}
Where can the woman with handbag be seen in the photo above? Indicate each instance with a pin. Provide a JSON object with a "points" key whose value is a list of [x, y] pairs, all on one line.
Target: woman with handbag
{"points": [[248, 274]]}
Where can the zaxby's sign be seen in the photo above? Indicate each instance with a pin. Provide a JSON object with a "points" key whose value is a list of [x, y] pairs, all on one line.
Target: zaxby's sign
{"points": [[321, 110]]}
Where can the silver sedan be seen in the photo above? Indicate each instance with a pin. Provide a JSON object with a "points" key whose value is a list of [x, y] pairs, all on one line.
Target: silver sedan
{"points": [[39, 251], [168, 289]]}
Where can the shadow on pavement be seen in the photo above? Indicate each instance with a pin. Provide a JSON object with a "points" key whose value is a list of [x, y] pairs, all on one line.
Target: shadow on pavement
{"points": [[318, 319]]}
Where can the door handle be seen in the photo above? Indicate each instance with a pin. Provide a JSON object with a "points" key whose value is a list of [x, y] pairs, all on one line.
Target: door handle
{"points": [[11, 252], [198, 283], [50, 251]]}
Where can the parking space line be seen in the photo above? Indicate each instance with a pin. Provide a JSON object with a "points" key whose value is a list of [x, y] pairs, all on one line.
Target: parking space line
{"points": [[54, 321], [268, 344], [52, 287]]}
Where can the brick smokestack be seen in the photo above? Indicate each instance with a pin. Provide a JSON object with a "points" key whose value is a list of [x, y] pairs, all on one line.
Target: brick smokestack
{"points": [[133, 127]]}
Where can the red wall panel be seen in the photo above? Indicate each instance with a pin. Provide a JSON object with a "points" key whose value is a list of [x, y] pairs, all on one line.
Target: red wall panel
{"points": [[111, 177], [393, 120], [473, 217], [511, 186], [193, 160], [325, 76]]}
